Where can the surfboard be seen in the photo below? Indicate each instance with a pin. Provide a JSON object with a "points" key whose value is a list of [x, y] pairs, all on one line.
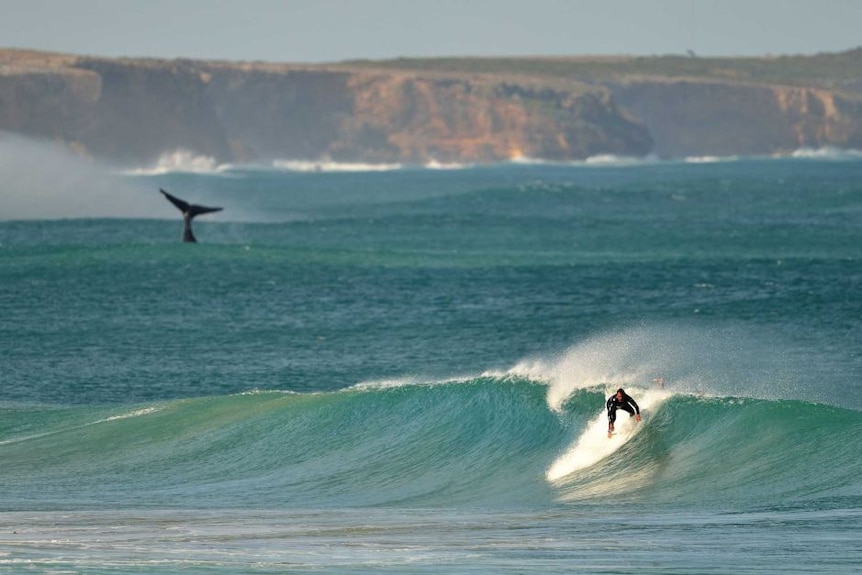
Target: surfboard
{"points": [[626, 425]]}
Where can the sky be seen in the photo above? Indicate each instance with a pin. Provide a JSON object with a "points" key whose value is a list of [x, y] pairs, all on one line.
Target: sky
{"points": [[314, 31]]}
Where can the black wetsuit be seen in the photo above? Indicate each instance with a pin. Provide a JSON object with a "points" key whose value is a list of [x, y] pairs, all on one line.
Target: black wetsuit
{"points": [[627, 404]]}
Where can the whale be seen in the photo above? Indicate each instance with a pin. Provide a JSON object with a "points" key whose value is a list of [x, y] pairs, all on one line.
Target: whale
{"points": [[189, 211]]}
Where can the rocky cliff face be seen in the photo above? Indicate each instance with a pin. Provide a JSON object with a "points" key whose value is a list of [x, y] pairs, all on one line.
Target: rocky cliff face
{"points": [[688, 117], [141, 109], [130, 111], [415, 119], [47, 103]]}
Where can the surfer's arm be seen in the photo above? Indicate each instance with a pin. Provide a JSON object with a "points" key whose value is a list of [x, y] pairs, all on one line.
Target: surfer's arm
{"points": [[634, 404]]}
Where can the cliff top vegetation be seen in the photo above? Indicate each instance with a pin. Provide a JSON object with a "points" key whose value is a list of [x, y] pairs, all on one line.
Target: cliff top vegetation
{"points": [[833, 71], [840, 71]]}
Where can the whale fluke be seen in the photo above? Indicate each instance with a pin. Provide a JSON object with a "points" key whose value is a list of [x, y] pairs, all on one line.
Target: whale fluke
{"points": [[189, 212]]}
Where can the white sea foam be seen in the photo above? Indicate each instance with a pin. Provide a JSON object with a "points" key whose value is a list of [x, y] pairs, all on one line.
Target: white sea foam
{"points": [[330, 166], [614, 160], [597, 160], [436, 165], [828, 153], [181, 161], [710, 159], [528, 161]]}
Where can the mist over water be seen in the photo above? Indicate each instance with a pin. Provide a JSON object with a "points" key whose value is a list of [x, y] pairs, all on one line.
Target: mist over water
{"points": [[43, 180]]}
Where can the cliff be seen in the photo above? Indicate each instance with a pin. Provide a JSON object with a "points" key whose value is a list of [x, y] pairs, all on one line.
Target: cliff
{"points": [[478, 110], [695, 117]]}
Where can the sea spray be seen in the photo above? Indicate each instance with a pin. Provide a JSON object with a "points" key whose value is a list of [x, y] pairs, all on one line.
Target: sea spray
{"points": [[682, 357]]}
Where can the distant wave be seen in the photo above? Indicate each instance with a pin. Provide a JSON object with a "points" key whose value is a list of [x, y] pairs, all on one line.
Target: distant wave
{"points": [[186, 161], [528, 161], [597, 160], [437, 165], [329, 166], [615, 160], [181, 161], [710, 159], [828, 153]]}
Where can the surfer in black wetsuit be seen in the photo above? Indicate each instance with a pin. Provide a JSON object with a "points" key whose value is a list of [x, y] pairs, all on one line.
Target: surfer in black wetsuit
{"points": [[621, 400]]}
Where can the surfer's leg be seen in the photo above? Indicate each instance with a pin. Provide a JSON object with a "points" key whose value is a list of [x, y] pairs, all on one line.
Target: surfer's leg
{"points": [[628, 408], [612, 417]]}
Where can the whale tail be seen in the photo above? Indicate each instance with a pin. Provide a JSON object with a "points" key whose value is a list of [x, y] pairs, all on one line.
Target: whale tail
{"points": [[189, 211]]}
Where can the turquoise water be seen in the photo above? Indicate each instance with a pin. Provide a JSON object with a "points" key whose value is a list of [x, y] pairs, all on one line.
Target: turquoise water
{"points": [[404, 372]]}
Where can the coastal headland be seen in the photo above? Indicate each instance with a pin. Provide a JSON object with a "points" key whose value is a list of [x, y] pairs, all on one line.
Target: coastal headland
{"points": [[128, 111]]}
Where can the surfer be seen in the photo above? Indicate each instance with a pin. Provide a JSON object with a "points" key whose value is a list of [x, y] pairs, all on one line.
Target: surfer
{"points": [[621, 400]]}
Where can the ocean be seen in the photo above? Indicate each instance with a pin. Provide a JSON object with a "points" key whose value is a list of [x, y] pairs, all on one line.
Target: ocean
{"points": [[398, 369]]}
